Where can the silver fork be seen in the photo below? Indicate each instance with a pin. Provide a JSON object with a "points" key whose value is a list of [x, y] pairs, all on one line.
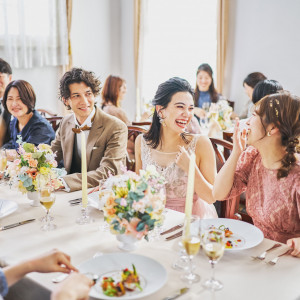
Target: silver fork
{"points": [[274, 260], [263, 255]]}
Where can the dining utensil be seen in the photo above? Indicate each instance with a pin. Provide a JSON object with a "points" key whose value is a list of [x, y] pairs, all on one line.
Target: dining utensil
{"points": [[16, 224], [262, 256], [174, 236], [172, 229], [75, 201], [274, 260], [177, 294], [63, 276]]}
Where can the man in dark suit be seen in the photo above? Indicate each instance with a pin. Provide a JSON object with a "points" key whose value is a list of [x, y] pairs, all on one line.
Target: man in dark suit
{"points": [[106, 136], [5, 79]]}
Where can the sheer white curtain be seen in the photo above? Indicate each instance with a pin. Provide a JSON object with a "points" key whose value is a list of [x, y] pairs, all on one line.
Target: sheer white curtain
{"points": [[33, 33]]}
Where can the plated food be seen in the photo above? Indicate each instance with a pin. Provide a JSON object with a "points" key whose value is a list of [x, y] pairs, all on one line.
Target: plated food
{"points": [[130, 281], [239, 235]]}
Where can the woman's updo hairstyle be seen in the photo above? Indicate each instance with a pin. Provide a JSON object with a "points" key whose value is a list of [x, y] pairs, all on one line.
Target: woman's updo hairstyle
{"points": [[163, 96], [283, 110]]}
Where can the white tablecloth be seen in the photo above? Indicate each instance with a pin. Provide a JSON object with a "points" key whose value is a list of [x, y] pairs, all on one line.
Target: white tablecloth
{"points": [[243, 278]]}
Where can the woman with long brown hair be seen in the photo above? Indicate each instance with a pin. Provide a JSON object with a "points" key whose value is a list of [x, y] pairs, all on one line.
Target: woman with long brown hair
{"points": [[268, 170]]}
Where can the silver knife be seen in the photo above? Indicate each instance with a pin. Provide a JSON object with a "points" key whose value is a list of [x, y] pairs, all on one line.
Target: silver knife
{"points": [[16, 224]]}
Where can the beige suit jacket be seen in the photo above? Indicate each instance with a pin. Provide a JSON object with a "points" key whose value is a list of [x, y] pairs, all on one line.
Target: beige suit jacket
{"points": [[106, 148]]}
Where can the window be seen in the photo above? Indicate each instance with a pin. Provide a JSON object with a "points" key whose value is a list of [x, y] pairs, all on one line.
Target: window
{"points": [[179, 36], [33, 33]]}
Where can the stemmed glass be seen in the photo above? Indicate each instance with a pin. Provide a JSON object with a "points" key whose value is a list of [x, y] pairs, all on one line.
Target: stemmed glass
{"points": [[47, 199], [213, 244], [191, 243], [3, 163]]}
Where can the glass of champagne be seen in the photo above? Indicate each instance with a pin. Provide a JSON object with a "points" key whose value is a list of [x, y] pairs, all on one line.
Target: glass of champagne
{"points": [[47, 199], [213, 244], [191, 243], [3, 163]]}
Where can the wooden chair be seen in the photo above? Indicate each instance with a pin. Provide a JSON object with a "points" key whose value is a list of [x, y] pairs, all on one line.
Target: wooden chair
{"points": [[133, 132], [227, 136], [229, 208], [141, 123], [54, 121], [46, 113]]}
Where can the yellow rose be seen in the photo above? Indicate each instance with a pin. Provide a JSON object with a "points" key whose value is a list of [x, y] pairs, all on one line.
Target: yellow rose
{"points": [[44, 170]]}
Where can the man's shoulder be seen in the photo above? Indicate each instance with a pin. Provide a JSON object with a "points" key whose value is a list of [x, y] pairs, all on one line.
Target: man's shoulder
{"points": [[109, 121]]}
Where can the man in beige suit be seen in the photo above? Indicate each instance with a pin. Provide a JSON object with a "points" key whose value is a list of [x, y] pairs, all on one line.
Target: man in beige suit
{"points": [[106, 136]]}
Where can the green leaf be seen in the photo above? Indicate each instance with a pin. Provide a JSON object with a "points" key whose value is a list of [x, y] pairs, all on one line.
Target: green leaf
{"points": [[140, 226], [37, 155]]}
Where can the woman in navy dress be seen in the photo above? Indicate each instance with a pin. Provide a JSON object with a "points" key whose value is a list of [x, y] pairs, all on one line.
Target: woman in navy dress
{"points": [[19, 100]]}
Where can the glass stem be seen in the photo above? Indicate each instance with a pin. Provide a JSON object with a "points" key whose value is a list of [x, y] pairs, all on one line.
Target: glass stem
{"points": [[212, 270], [190, 265], [47, 216]]}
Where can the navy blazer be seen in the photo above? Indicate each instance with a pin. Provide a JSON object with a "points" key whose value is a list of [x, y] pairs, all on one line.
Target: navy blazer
{"points": [[37, 131]]}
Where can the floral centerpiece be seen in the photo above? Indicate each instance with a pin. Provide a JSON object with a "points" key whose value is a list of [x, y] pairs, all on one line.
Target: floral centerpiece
{"points": [[221, 112], [31, 162], [136, 202]]}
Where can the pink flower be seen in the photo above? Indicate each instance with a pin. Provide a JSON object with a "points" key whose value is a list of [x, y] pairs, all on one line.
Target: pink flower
{"points": [[131, 228], [32, 163], [139, 206], [123, 202], [53, 163]]}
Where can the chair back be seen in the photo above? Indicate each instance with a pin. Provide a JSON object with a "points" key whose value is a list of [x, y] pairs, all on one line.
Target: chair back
{"points": [[54, 121], [133, 132], [46, 113], [227, 208], [141, 123]]}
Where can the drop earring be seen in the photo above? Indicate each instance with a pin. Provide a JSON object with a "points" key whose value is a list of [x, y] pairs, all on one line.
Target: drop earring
{"points": [[269, 133], [161, 121]]}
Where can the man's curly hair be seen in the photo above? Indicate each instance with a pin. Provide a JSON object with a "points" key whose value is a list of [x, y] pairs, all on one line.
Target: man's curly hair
{"points": [[77, 75]]}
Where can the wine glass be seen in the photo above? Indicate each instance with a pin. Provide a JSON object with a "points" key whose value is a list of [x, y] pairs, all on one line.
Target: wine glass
{"points": [[213, 244], [47, 199], [3, 163], [191, 243]]}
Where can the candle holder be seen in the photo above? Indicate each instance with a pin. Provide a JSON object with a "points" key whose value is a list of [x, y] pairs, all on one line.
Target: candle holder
{"points": [[85, 218]]}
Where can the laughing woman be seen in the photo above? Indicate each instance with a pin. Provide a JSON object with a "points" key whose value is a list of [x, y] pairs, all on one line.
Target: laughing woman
{"points": [[269, 169], [167, 146], [19, 100]]}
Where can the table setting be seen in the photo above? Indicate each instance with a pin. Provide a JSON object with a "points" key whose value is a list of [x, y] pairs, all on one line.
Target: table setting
{"points": [[163, 238]]}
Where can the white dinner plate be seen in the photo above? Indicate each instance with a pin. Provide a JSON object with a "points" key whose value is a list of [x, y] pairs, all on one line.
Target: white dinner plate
{"points": [[153, 275], [7, 207], [249, 235]]}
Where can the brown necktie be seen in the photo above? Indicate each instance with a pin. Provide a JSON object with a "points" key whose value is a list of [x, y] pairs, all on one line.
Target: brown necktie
{"points": [[78, 130]]}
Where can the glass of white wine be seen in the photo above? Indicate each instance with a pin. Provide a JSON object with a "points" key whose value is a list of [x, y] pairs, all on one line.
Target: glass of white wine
{"points": [[191, 243], [213, 243], [47, 199]]}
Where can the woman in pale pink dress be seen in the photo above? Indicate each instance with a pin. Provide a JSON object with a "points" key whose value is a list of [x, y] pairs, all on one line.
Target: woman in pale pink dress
{"points": [[269, 169], [167, 146]]}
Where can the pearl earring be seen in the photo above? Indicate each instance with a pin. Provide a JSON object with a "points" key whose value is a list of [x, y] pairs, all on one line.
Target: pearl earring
{"points": [[269, 133]]}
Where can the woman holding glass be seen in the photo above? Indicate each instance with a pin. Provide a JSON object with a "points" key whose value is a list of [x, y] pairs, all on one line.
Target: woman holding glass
{"points": [[19, 100], [167, 146], [268, 170]]}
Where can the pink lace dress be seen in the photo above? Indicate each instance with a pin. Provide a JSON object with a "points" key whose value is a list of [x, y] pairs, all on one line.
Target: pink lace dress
{"points": [[176, 180], [274, 205]]}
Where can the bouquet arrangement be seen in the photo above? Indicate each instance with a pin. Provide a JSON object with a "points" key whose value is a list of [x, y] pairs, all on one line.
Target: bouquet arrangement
{"points": [[135, 203], [34, 161], [220, 112]]}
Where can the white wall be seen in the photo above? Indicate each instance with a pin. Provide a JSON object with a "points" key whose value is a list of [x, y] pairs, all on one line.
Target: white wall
{"points": [[263, 36]]}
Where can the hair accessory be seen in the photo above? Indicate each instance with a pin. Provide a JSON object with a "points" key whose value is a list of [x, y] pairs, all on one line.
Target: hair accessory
{"points": [[271, 103], [277, 102]]}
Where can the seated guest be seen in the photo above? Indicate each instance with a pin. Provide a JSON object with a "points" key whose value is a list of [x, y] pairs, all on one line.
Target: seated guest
{"points": [[167, 146], [106, 136], [205, 91], [5, 79], [249, 84], [268, 170], [75, 287], [264, 88], [113, 92], [19, 100]]}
